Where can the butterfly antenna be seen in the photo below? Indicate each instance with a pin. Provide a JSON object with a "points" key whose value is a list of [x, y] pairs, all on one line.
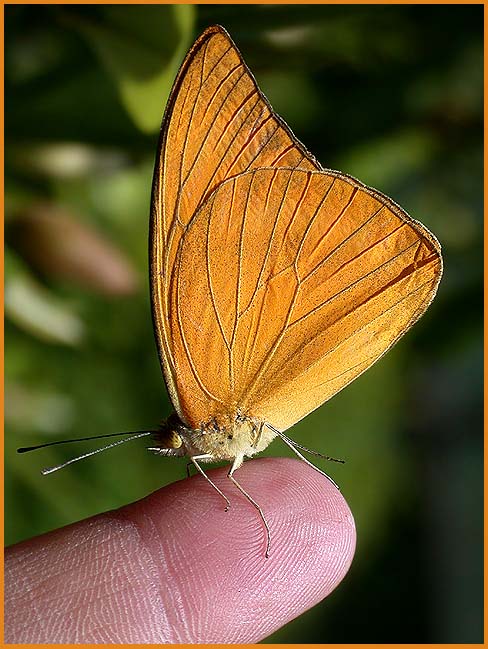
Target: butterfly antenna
{"points": [[51, 469], [26, 449]]}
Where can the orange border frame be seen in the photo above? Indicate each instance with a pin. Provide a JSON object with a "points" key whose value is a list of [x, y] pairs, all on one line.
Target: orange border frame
{"points": [[132, 2]]}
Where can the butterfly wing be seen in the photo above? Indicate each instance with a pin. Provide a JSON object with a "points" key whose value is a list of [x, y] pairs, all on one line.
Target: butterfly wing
{"points": [[288, 284], [217, 125]]}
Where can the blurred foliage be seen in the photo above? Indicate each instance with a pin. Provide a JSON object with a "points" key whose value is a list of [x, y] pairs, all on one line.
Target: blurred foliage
{"points": [[392, 95]]}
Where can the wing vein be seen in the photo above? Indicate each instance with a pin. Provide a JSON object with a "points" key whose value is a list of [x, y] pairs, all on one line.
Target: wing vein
{"points": [[179, 311], [361, 279], [209, 277], [271, 352], [362, 327], [270, 243], [340, 244], [366, 249], [253, 133], [217, 168], [198, 153]]}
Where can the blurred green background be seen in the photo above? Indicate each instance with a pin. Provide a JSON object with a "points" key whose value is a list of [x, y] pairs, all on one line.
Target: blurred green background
{"points": [[390, 94]]}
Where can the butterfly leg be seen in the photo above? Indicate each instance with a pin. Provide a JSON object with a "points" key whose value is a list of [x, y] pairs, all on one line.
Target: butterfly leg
{"points": [[302, 457], [259, 435], [193, 460], [234, 466]]}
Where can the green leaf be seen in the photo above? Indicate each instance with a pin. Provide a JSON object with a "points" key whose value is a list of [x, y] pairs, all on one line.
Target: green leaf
{"points": [[142, 51], [35, 309]]}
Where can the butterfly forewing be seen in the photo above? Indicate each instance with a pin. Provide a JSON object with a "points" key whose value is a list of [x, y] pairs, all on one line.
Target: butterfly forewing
{"points": [[289, 285], [217, 125]]}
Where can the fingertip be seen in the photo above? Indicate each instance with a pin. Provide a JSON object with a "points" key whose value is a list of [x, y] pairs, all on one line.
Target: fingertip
{"points": [[218, 558]]}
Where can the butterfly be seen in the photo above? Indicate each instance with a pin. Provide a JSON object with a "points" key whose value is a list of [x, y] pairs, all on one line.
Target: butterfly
{"points": [[274, 282]]}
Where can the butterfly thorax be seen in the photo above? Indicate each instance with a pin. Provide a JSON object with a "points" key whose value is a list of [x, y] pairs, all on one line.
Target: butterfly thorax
{"points": [[224, 437]]}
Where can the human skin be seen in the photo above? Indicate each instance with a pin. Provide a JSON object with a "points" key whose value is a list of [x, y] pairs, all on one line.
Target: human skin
{"points": [[176, 568]]}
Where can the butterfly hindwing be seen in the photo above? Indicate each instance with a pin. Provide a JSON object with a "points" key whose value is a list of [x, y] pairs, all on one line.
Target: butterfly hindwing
{"points": [[288, 285]]}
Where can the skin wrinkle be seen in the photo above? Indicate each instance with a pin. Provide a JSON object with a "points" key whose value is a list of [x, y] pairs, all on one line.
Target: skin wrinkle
{"points": [[178, 623], [176, 600], [159, 612], [114, 613], [109, 616], [144, 585], [100, 603], [28, 590], [122, 536], [166, 556], [41, 585], [32, 609]]}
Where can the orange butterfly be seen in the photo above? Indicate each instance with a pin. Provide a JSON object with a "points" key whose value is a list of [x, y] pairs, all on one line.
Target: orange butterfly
{"points": [[274, 282]]}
